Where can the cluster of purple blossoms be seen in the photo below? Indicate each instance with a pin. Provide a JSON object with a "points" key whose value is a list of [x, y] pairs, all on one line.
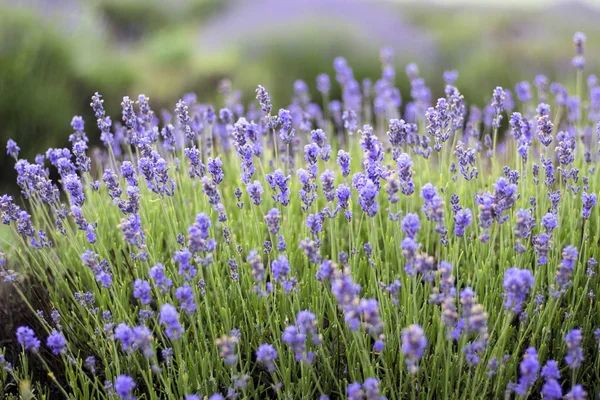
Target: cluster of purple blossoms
{"points": [[589, 201], [343, 159], [542, 245], [100, 269], [369, 390], [578, 60], [170, 318], [278, 182], [199, 240], [266, 355], [136, 338], [565, 269], [414, 344], [161, 281], [438, 122], [544, 125], [433, 208], [405, 174], [26, 338], [517, 285], [505, 196], [574, 357], [264, 100], [56, 342], [186, 268], [523, 227], [281, 269], [142, 291], [472, 322], [551, 389], [132, 231], [273, 220], [462, 220], [295, 336], [226, 345], [12, 149], [367, 194], [529, 370], [185, 295]]}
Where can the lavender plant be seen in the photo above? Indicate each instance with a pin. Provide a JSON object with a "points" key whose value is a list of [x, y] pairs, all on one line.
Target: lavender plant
{"points": [[228, 254]]}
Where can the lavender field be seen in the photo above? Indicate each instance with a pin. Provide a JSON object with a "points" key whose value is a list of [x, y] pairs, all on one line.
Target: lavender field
{"points": [[376, 245]]}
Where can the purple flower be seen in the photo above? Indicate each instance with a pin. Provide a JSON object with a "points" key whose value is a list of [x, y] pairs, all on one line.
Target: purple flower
{"points": [[327, 182], [517, 285], [550, 222], [566, 268], [523, 91], [411, 225], [367, 197], [343, 159], [505, 195], [315, 223], [215, 168], [197, 168], [589, 201], [186, 268], [574, 356], [462, 220], [185, 295], [450, 77], [577, 392], [433, 208], [255, 191], [541, 244], [264, 100], [485, 202], [279, 181], [170, 318], [405, 173], [56, 341], [529, 369], [524, 224], [26, 338], [258, 269], [73, 185], [326, 270], [438, 122], [199, 240], [544, 125], [273, 219], [295, 336], [266, 355], [398, 133], [354, 391], [551, 389], [280, 268], [226, 345], [350, 120], [12, 149], [466, 161], [498, 98], [124, 386], [414, 344], [371, 389], [579, 40], [323, 84], [141, 291]]}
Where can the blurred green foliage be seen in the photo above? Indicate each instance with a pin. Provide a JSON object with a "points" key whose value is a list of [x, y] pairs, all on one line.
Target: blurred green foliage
{"points": [[49, 69]]}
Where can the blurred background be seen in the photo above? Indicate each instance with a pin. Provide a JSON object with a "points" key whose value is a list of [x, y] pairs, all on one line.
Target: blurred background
{"points": [[54, 54]]}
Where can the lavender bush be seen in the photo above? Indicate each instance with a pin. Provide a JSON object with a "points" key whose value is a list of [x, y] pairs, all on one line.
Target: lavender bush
{"points": [[334, 248]]}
